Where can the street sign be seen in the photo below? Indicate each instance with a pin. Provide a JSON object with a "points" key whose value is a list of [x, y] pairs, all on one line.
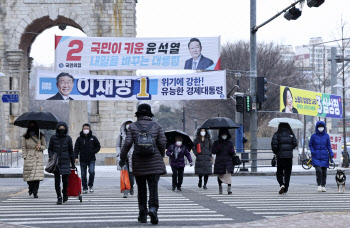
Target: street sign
{"points": [[10, 98]]}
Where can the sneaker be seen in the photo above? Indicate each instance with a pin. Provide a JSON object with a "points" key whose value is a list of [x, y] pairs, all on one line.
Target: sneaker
{"points": [[65, 198], [91, 190], [174, 188], [281, 190], [125, 195], [153, 214], [85, 191], [323, 189], [319, 188], [205, 187]]}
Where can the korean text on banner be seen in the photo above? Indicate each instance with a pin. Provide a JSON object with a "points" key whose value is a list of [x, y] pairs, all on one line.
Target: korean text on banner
{"points": [[310, 103], [112, 53], [194, 86]]}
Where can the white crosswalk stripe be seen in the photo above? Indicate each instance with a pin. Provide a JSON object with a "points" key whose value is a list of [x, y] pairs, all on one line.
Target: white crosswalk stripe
{"points": [[266, 201], [100, 208]]}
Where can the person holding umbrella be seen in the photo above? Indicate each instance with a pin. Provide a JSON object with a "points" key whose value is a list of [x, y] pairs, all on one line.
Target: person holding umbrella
{"points": [[176, 153], [33, 145], [202, 150], [223, 167]]}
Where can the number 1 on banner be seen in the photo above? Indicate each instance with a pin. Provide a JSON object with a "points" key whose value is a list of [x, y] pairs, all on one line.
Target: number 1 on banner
{"points": [[143, 89]]}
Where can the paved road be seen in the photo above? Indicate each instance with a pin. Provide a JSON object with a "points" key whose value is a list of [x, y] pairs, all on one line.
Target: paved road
{"points": [[253, 198]]}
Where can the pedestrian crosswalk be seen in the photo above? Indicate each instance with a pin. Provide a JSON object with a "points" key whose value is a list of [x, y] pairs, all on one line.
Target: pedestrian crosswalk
{"points": [[102, 209], [267, 203]]}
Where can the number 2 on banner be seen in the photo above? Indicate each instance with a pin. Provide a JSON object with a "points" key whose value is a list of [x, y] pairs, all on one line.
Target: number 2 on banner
{"points": [[70, 56]]}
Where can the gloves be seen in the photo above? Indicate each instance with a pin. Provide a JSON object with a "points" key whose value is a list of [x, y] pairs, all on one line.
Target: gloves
{"points": [[191, 164], [331, 159], [121, 163]]}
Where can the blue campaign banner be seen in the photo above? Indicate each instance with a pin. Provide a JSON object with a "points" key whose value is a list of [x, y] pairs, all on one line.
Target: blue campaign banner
{"points": [[68, 86], [10, 98]]}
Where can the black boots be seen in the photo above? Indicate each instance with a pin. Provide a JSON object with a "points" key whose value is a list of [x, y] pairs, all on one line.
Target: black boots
{"points": [[200, 183], [59, 201], [153, 214], [36, 195], [65, 198]]}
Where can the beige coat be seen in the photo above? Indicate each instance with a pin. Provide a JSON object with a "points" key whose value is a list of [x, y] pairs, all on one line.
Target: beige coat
{"points": [[33, 168]]}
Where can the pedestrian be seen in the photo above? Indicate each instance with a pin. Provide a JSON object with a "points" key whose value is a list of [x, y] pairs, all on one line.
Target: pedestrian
{"points": [[33, 145], [176, 153], [87, 146], [223, 167], [321, 153], [62, 144], [203, 165], [283, 143], [147, 160], [120, 142]]}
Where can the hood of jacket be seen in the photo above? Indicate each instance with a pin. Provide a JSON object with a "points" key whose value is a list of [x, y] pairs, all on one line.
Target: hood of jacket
{"points": [[122, 127], [59, 124], [316, 128]]}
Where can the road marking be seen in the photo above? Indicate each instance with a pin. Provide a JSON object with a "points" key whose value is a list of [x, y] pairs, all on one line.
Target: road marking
{"points": [[19, 193]]}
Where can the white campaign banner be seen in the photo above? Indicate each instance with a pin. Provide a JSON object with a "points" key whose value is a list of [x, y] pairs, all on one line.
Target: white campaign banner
{"points": [[69, 86], [111, 53], [336, 143]]}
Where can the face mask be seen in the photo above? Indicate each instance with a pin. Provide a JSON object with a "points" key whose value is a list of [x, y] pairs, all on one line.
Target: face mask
{"points": [[321, 129], [202, 133], [61, 131], [178, 143], [127, 126], [224, 137], [86, 132]]}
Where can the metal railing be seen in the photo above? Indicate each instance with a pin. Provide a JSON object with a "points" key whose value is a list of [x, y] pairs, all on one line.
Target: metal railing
{"points": [[245, 158], [9, 157]]}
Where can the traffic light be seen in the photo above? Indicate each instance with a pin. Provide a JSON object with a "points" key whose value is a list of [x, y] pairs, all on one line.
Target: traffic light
{"points": [[240, 104], [262, 89], [248, 103], [314, 3], [292, 14]]}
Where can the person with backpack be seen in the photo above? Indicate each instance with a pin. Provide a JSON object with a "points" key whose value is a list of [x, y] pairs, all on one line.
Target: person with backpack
{"points": [[176, 153], [149, 143], [321, 153], [120, 142], [87, 146], [283, 143], [33, 146]]}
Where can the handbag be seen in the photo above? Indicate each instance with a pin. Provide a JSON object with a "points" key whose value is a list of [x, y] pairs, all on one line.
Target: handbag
{"points": [[236, 160], [52, 164], [273, 161], [124, 180], [199, 148]]}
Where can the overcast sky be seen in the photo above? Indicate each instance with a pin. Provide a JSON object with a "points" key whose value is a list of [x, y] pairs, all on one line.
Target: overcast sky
{"points": [[226, 18]]}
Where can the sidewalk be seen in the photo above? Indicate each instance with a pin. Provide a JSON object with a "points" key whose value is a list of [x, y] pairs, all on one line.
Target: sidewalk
{"points": [[111, 171]]}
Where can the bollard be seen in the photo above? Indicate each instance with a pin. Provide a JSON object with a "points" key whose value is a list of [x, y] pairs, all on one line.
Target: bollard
{"points": [[11, 158]]}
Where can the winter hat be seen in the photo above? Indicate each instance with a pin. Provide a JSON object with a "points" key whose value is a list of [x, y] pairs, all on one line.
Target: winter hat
{"points": [[144, 110]]}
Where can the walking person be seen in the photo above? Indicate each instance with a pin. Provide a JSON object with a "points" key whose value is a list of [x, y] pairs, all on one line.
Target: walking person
{"points": [[176, 153], [87, 146], [120, 142], [203, 165], [223, 167], [147, 160], [321, 153], [33, 146], [283, 143], [62, 144]]}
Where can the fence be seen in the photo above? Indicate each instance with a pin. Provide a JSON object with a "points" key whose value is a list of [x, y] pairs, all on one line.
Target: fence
{"points": [[9, 157]]}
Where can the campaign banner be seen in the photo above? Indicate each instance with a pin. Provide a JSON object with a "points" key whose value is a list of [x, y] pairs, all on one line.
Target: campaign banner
{"points": [[116, 53], [336, 143], [69, 86], [310, 103]]}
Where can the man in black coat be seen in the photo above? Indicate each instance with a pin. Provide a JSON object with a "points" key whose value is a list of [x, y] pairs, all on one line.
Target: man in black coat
{"points": [[87, 146]]}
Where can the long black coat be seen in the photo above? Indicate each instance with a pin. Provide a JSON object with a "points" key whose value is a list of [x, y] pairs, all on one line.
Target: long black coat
{"points": [[203, 164], [284, 141], [87, 146], [63, 146], [224, 151], [141, 165]]}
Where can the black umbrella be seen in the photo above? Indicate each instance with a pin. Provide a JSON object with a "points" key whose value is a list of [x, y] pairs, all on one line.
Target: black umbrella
{"points": [[170, 136], [44, 120], [219, 122]]}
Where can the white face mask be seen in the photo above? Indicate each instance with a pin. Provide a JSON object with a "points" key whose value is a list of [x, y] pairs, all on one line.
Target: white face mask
{"points": [[178, 143], [224, 137], [202, 133], [86, 132], [321, 129], [127, 126]]}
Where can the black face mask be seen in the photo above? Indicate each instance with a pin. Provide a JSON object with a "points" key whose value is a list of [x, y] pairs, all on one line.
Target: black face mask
{"points": [[33, 128], [61, 131]]}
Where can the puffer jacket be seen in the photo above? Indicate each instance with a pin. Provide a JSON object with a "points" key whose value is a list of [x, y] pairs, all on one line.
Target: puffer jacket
{"points": [[120, 143], [63, 146], [178, 162], [86, 146], [203, 164], [320, 147], [224, 151], [284, 142], [141, 165], [33, 167]]}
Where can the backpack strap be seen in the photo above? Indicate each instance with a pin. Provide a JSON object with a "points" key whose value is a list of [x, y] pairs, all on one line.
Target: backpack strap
{"points": [[147, 128], [150, 126], [139, 126]]}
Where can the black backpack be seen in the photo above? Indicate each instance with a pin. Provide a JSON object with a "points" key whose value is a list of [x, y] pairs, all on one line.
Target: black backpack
{"points": [[145, 144]]}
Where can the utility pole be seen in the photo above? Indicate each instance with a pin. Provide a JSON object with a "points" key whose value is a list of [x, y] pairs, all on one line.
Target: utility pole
{"points": [[333, 83], [183, 119], [346, 155]]}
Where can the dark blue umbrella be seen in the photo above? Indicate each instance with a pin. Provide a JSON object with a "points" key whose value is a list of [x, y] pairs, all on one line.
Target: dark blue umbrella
{"points": [[44, 120], [219, 122]]}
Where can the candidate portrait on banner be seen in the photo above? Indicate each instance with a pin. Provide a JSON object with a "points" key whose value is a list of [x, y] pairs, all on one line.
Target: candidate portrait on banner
{"points": [[198, 61], [288, 101], [65, 84]]}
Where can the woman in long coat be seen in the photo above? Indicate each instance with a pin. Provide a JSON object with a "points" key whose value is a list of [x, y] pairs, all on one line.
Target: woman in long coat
{"points": [[223, 167], [32, 152], [203, 165]]}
